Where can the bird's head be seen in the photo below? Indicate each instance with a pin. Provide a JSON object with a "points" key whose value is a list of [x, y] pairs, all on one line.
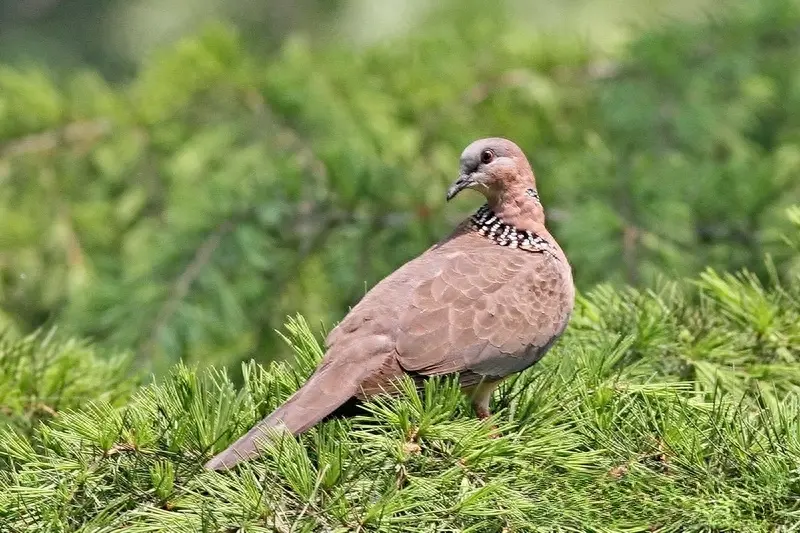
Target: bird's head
{"points": [[494, 167]]}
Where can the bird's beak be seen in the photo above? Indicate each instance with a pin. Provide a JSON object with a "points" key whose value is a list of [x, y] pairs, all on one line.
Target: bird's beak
{"points": [[464, 181]]}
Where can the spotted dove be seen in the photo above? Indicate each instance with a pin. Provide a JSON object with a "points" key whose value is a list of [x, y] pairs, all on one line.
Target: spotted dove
{"points": [[485, 302]]}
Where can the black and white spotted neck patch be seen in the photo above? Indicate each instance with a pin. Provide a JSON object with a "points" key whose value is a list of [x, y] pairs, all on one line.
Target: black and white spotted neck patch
{"points": [[490, 226]]}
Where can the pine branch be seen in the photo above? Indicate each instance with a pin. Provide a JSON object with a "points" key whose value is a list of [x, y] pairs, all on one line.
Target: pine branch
{"points": [[183, 283]]}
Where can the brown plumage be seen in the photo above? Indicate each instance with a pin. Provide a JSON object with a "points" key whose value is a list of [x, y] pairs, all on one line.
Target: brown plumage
{"points": [[487, 301]]}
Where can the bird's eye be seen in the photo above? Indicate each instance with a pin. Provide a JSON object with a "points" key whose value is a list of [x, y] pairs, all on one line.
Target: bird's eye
{"points": [[487, 156]]}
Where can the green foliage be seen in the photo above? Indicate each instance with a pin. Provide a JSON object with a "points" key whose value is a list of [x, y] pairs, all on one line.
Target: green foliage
{"points": [[672, 409], [186, 213], [41, 375]]}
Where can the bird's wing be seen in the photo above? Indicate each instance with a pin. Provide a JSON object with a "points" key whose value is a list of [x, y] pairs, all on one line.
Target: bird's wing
{"points": [[487, 311]]}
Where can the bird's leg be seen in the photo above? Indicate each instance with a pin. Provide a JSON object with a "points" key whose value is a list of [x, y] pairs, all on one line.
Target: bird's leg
{"points": [[480, 395], [481, 411]]}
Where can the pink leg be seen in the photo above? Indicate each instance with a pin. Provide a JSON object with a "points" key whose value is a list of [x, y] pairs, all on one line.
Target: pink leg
{"points": [[481, 411], [480, 395]]}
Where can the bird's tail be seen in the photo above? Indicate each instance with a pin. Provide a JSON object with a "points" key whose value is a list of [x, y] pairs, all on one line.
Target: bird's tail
{"points": [[315, 400]]}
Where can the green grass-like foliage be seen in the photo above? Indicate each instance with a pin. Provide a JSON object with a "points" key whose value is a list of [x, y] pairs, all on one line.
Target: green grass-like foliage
{"points": [[672, 409], [41, 375]]}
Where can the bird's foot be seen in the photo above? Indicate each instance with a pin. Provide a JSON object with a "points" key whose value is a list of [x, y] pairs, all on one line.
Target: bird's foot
{"points": [[484, 413]]}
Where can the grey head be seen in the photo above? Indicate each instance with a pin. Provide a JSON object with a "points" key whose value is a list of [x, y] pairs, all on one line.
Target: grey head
{"points": [[491, 166]]}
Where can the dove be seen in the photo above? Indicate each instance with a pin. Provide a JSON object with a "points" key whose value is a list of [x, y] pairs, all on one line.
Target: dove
{"points": [[487, 301]]}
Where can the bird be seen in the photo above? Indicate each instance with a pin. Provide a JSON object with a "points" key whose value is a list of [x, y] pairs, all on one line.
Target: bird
{"points": [[487, 301]]}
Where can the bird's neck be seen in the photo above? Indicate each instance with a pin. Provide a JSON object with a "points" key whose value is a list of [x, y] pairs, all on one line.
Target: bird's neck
{"points": [[519, 207], [488, 224]]}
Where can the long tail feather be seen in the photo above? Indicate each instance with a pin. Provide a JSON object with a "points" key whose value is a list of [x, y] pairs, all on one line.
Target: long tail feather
{"points": [[319, 397]]}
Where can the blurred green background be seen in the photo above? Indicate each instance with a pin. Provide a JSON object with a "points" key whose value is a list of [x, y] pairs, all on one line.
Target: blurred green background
{"points": [[178, 177]]}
